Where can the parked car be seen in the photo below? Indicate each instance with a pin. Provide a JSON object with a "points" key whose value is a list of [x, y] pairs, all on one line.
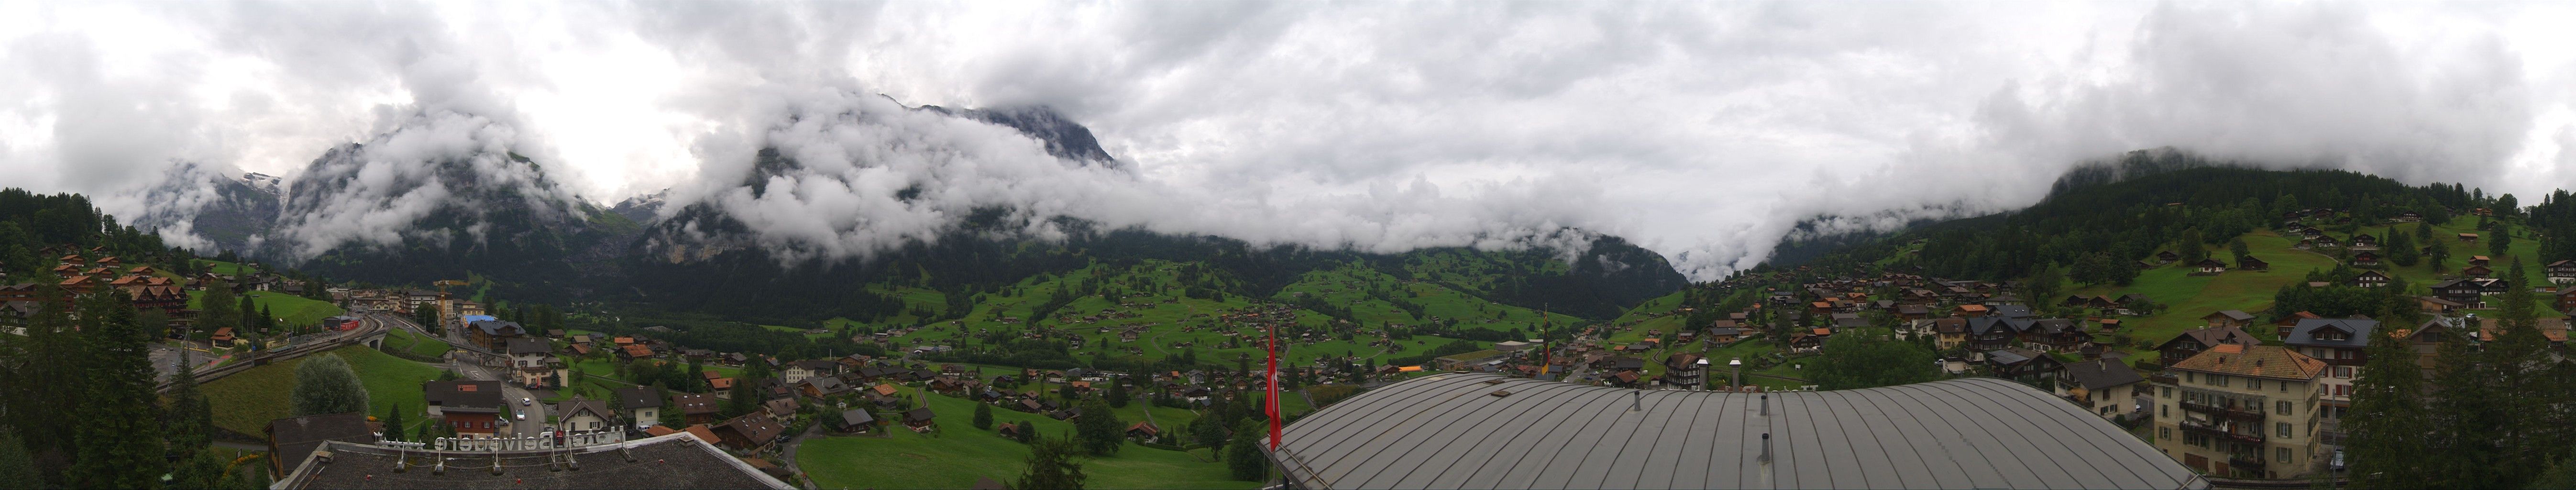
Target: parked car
{"points": [[524, 401], [523, 415]]}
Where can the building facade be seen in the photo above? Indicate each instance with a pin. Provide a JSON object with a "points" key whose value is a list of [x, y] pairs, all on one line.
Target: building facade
{"points": [[2243, 411]]}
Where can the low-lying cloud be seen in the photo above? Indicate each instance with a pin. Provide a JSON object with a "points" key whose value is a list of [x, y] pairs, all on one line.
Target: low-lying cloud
{"points": [[1703, 131]]}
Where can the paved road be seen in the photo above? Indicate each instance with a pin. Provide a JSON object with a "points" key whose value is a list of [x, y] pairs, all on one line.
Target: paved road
{"points": [[535, 423], [789, 453]]}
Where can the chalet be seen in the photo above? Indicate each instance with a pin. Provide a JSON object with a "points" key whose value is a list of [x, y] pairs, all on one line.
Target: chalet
{"points": [[1685, 369], [696, 408], [2211, 266], [2566, 299], [919, 418], [2468, 238], [636, 351], [294, 438], [2167, 257], [1143, 431], [2480, 261], [2076, 301], [782, 410], [533, 362], [2106, 387], [2305, 243], [2337, 341], [1969, 311], [858, 420], [223, 337], [2493, 286], [2365, 242], [2366, 259], [2430, 304], [2253, 264], [472, 408], [2327, 242], [1724, 335], [578, 414], [2229, 318], [822, 387], [2192, 342], [2055, 335], [640, 404], [1948, 333], [2408, 217], [1991, 333], [2562, 272], [751, 432], [2312, 232], [494, 334], [2369, 279], [78, 285], [2462, 291], [2024, 365]]}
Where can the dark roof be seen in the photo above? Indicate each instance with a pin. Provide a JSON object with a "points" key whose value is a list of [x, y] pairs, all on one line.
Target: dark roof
{"points": [[448, 396], [2305, 332], [756, 427], [1445, 431], [2213, 336], [693, 404], [2238, 315], [498, 328], [2011, 355], [918, 415], [2102, 374], [857, 416], [639, 397], [2013, 311], [528, 345], [599, 408], [676, 460], [297, 436]]}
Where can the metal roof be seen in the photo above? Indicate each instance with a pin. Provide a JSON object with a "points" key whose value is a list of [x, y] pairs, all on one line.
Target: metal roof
{"points": [[1451, 431]]}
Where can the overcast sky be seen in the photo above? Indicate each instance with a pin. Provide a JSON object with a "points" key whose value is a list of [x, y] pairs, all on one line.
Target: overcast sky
{"points": [[1701, 130]]}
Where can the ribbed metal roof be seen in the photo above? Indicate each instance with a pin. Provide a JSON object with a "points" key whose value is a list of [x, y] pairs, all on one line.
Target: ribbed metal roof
{"points": [[1449, 431]]}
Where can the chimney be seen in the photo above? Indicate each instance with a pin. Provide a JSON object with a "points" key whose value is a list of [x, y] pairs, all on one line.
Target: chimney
{"points": [[1766, 410], [1637, 401], [1766, 447]]}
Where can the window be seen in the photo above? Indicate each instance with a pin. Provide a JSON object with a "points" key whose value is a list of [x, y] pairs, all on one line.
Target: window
{"points": [[2284, 453], [2218, 380], [2190, 377], [2168, 392], [2253, 383], [2164, 410], [2164, 433], [2281, 408], [2283, 428]]}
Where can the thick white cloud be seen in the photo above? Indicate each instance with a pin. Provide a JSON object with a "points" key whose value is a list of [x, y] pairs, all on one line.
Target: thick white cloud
{"points": [[1701, 130]]}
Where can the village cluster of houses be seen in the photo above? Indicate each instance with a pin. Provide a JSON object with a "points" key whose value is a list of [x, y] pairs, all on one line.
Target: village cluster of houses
{"points": [[80, 272]]}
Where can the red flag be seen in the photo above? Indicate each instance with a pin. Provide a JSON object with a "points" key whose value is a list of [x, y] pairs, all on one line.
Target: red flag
{"points": [[1272, 405]]}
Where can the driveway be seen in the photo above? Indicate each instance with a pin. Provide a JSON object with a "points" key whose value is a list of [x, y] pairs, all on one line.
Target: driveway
{"points": [[789, 453]]}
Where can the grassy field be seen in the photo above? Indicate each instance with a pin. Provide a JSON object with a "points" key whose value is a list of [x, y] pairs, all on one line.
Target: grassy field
{"points": [[296, 310], [1155, 299], [416, 344], [961, 454], [226, 268], [245, 402]]}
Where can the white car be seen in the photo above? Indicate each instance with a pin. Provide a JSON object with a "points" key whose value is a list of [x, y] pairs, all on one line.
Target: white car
{"points": [[523, 401], [523, 415]]}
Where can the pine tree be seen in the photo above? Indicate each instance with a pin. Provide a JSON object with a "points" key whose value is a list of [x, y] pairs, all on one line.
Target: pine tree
{"points": [[1118, 396], [191, 417], [119, 426], [2388, 418], [2520, 358], [17, 467], [2466, 418], [984, 416], [394, 423]]}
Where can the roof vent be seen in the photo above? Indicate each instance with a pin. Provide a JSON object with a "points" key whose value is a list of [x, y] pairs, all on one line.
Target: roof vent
{"points": [[1500, 393], [1766, 411], [1493, 381]]}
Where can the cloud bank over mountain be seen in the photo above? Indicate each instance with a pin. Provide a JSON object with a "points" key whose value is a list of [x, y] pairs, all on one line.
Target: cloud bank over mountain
{"points": [[1702, 131]]}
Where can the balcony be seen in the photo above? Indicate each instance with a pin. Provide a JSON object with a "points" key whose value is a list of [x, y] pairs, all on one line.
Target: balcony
{"points": [[2224, 411], [2223, 434], [2245, 461]]}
